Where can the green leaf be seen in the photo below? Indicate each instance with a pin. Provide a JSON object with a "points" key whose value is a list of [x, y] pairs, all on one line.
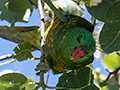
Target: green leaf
{"points": [[23, 52], [74, 80], [112, 61], [14, 10], [113, 13], [90, 87], [111, 84], [100, 10], [110, 87], [4, 85], [110, 34], [30, 87], [15, 87], [12, 81]]}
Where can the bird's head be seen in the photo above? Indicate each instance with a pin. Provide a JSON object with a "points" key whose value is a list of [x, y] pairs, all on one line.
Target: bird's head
{"points": [[77, 45]]}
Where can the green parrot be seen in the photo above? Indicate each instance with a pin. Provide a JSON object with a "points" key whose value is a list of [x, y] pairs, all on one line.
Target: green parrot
{"points": [[69, 45]]}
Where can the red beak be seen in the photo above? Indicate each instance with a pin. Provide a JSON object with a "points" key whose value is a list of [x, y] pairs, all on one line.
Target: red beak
{"points": [[77, 53]]}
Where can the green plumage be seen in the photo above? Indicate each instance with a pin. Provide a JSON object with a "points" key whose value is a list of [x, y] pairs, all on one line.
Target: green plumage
{"points": [[61, 40]]}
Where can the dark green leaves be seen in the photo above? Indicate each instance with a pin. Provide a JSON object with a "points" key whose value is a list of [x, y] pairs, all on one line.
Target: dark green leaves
{"points": [[108, 11], [110, 34], [23, 52], [81, 80], [100, 10], [14, 10]]}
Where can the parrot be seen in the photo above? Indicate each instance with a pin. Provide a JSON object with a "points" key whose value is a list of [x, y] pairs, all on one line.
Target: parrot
{"points": [[69, 45]]}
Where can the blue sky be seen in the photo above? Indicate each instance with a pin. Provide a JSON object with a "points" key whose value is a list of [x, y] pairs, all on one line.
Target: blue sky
{"points": [[27, 67]]}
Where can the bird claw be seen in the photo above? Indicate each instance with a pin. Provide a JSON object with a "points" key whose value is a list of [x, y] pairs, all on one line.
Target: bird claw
{"points": [[44, 66]]}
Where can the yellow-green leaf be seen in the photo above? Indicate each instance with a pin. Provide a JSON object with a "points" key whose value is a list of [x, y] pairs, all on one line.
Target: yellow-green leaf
{"points": [[112, 61]]}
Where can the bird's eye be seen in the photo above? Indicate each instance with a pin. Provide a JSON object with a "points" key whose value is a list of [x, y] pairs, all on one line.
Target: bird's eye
{"points": [[82, 48], [78, 38]]}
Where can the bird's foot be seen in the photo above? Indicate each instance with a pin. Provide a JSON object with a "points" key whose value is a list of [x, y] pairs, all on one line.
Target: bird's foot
{"points": [[44, 67]]}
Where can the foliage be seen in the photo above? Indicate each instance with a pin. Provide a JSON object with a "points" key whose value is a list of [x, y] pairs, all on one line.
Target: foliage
{"points": [[28, 38], [15, 81], [23, 52], [68, 80], [111, 29], [103, 7], [16, 13]]}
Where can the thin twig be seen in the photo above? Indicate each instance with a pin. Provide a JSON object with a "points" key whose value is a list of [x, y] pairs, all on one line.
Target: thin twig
{"points": [[7, 62], [40, 9], [115, 72], [50, 87], [47, 77], [6, 57], [118, 53], [119, 80], [21, 87], [100, 50]]}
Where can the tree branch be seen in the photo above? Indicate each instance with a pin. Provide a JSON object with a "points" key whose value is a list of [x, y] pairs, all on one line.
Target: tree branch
{"points": [[7, 62], [40, 9], [115, 72]]}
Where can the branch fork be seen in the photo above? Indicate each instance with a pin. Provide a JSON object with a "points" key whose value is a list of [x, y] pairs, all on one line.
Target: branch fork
{"points": [[115, 72]]}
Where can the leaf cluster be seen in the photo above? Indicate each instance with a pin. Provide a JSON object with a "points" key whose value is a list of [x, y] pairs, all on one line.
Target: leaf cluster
{"points": [[23, 52], [14, 10]]}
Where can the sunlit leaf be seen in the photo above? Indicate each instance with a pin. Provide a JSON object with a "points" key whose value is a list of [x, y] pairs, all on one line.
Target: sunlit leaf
{"points": [[30, 87], [4, 85], [69, 7], [112, 61]]}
